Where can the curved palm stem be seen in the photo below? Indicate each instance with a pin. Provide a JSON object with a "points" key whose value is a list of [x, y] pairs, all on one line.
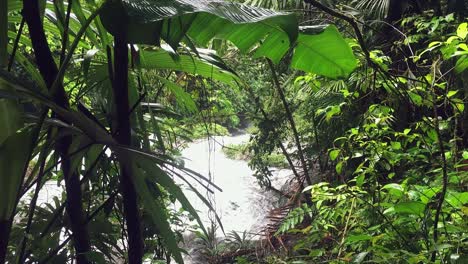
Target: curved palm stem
{"points": [[49, 72]]}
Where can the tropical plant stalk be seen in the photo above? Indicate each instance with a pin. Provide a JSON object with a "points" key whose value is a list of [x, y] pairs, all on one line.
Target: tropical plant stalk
{"points": [[441, 195], [49, 72], [123, 137], [291, 122]]}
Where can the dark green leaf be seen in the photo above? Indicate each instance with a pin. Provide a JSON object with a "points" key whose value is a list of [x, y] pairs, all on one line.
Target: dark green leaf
{"points": [[14, 154], [415, 208], [148, 21]]}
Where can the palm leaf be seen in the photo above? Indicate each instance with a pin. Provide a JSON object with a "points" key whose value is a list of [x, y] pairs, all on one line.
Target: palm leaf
{"points": [[155, 174], [206, 65], [376, 8], [182, 97], [157, 213], [149, 21]]}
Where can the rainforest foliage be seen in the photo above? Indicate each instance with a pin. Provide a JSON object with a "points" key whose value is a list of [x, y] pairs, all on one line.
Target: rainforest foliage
{"points": [[364, 101]]}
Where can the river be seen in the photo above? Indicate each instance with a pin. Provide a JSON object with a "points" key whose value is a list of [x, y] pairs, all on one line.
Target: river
{"points": [[241, 206]]}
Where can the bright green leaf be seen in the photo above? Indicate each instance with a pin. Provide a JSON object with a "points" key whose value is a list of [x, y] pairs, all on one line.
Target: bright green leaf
{"points": [[339, 167], [465, 154], [451, 93], [358, 238], [326, 54], [462, 30], [334, 154]]}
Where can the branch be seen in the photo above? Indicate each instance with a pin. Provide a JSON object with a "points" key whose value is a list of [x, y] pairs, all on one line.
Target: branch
{"points": [[291, 122]]}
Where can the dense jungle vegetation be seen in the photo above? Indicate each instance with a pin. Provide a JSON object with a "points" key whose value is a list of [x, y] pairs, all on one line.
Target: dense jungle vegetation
{"points": [[364, 101]]}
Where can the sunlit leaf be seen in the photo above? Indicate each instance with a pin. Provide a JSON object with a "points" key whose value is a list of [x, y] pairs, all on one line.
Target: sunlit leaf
{"points": [[462, 30], [326, 54]]}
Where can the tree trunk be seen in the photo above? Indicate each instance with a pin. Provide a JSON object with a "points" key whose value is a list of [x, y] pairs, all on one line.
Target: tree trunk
{"points": [[4, 234], [395, 10], [49, 72], [123, 136], [458, 7], [435, 4]]}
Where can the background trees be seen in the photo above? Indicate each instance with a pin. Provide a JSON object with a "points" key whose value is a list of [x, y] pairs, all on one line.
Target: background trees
{"points": [[75, 93]]}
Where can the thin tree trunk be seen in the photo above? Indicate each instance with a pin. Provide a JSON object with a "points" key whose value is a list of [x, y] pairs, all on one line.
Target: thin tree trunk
{"points": [[395, 10], [123, 136], [49, 72], [291, 123], [437, 7]]}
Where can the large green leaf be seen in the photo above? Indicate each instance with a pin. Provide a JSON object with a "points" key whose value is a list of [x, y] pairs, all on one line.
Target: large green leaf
{"points": [[205, 65], [326, 53], [14, 154], [157, 212], [148, 21], [10, 118]]}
